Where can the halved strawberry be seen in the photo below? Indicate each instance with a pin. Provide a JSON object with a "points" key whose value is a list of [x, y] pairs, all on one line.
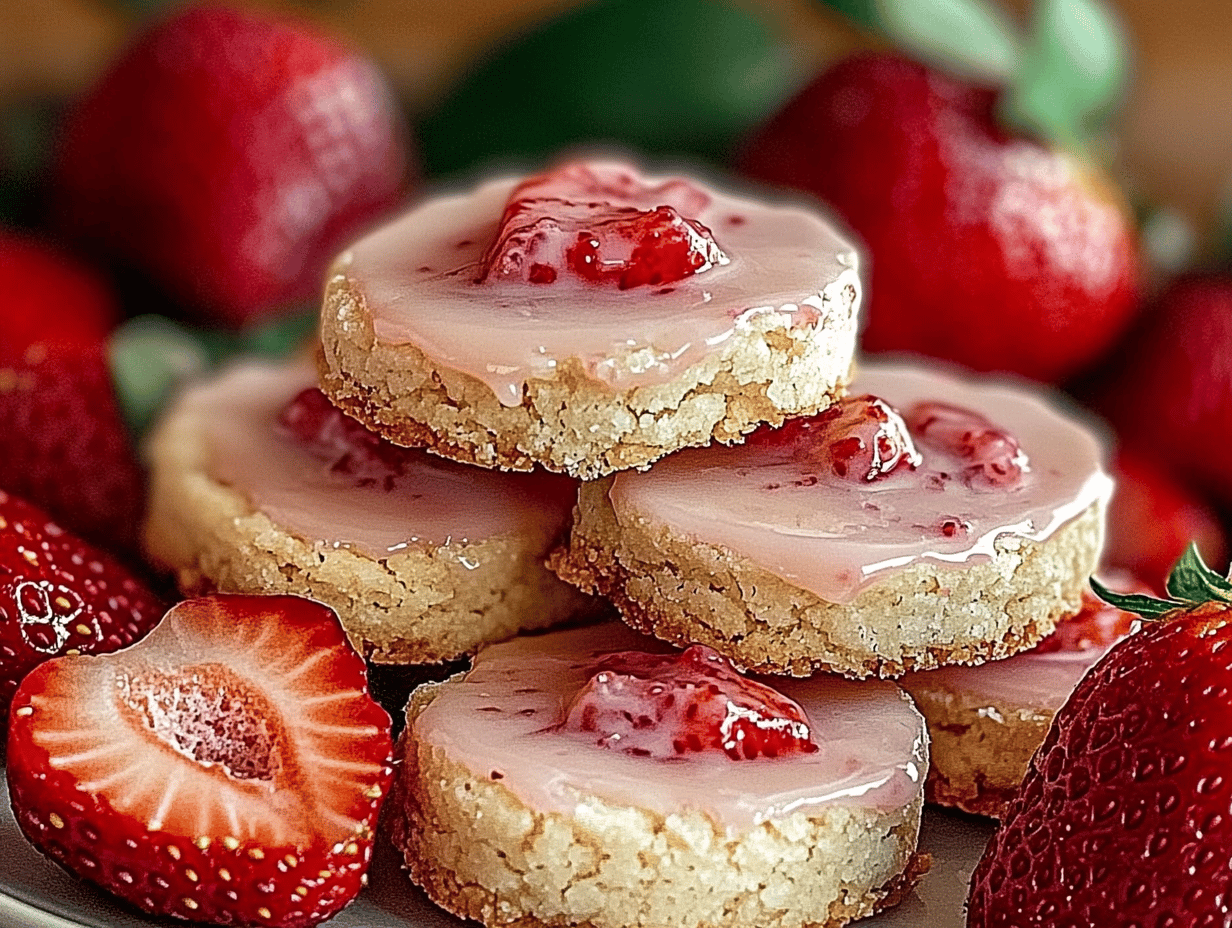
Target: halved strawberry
{"points": [[602, 225], [60, 595], [229, 768], [665, 705]]}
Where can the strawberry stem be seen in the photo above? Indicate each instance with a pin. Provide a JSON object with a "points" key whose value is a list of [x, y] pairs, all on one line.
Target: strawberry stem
{"points": [[1190, 583]]}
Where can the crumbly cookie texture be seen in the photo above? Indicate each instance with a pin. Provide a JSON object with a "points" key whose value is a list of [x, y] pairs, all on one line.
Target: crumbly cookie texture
{"points": [[687, 591], [421, 605], [980, 752], [481, 853], [769, 369]]}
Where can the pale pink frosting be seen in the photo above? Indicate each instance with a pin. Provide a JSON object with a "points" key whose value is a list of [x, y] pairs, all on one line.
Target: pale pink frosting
{"points": [[1037, 680], [837, 538], [418, 277], [499, 722], [437, 502]]}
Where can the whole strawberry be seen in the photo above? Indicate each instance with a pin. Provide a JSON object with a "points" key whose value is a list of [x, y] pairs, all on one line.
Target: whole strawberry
{"points": [[60, 595], [1123, 817], [1151, 519], [65, 446], [1170, 394], [228, 155], [229, 768], [987, 249]]}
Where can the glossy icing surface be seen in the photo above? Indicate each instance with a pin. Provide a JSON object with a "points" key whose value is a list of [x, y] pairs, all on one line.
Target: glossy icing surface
{"points": [[1042, 678], [835, 538], [500, 721], [418, 278], [435, 502]]}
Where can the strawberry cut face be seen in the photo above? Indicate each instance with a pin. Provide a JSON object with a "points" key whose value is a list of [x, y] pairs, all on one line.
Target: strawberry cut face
{"points": [[599, 224], [859, 439], [668, 706], [229, 768]]}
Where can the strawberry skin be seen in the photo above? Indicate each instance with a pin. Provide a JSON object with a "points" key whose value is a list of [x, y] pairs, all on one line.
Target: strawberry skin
{"points": [[1151, 518], [228, 155], [227, 769], [59, 594], [66, 446], [1122, 818], [1170, 394], [988, 250]]}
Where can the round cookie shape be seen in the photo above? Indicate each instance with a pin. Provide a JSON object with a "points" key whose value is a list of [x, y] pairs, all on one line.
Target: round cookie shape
{"points": [[424, 560], [506, 816], [426, 345], [986, 722], [784, 566]]}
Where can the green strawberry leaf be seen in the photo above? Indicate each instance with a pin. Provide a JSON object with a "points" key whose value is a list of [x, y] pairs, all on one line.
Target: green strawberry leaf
{"points": [[1146, 606], [151, 357], [1072, 70], [1193, 581], [973, 37]]}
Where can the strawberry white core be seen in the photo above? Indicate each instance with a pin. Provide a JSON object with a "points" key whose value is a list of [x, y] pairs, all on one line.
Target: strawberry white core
{"points": [[209, 714]]}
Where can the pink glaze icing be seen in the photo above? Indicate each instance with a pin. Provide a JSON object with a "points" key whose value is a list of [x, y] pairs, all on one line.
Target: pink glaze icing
{"points": [[1040, 679], [836, 538], [501, 721], [435, 503], [418, 277]]}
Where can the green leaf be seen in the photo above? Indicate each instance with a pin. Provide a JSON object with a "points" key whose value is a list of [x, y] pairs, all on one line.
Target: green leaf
{"points": [[970, 37], [281, 336], [1146, 606], [151, 356], [670, 77], [1072, 71], [1193, 581]]}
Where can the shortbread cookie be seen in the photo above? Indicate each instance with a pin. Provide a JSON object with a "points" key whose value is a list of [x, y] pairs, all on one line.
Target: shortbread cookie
{"points": [[588, 320], [985, 722], [256, 488], [560, 784], [856, 541]]}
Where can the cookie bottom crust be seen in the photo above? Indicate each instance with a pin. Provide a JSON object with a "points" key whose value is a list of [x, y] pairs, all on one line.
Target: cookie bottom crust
{"points": [[768, 370], [417, 606], [687, 591], [480, 853], [980, 751]]}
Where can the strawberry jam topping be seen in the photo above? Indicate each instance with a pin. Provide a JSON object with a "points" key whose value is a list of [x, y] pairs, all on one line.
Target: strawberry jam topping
{"points": [[1097, 625], [991, 455], [601, 225], [859, 438], [668, 705], [332, 436]]}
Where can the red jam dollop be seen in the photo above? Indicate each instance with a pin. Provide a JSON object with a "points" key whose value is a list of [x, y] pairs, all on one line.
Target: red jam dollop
{"points": [[330, 435], [1097, 625], [664, 706], [991, 455], [601, 225], [859, 438]]}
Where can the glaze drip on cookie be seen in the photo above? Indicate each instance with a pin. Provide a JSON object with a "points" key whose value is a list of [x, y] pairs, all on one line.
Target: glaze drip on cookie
{"points": [[502, 721], [955, 481], [418, 280], [336, 484]]}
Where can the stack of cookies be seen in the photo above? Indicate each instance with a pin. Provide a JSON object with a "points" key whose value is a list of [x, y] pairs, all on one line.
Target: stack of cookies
{"points": [[646, 393]]}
